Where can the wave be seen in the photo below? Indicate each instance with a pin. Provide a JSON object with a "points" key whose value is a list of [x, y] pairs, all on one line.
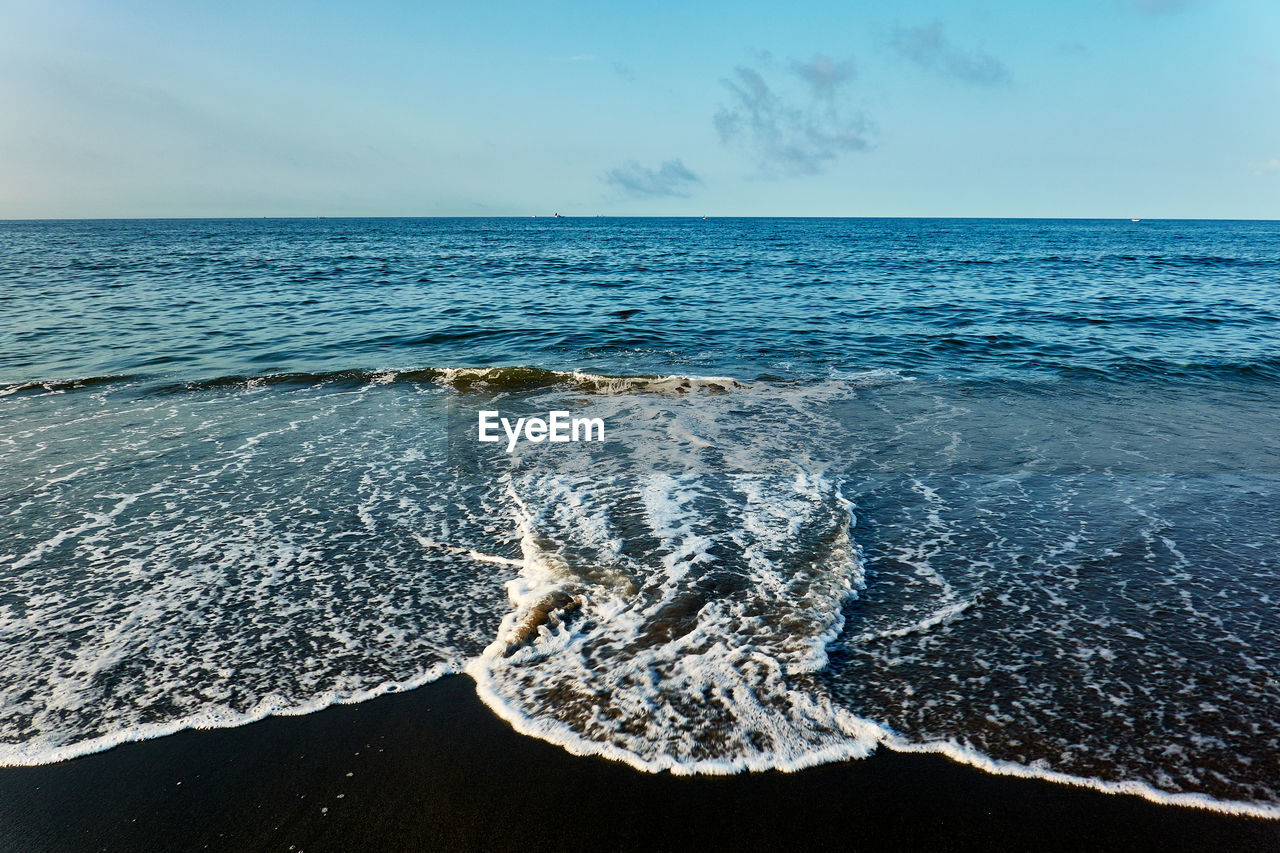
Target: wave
{"points": [[674, 601], [494, 380], [639, 658], [500, 379], [61, 386]]}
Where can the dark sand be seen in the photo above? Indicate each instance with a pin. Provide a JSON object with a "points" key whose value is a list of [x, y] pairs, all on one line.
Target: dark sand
{"points": [[433, 769]]}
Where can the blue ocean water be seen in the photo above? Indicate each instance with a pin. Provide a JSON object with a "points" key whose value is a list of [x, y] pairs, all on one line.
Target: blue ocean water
{"points": [[1012, 298], [1004, 489]]}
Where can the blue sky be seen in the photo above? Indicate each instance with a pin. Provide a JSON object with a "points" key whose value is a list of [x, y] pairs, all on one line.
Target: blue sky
{"points": [[1110, 108]]}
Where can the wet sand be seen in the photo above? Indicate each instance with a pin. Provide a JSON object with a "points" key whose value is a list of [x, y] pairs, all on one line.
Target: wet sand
{"points": [[433, 769]]}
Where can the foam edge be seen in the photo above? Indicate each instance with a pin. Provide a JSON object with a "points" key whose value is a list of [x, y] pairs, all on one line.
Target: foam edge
{"points": [[211, 720]]}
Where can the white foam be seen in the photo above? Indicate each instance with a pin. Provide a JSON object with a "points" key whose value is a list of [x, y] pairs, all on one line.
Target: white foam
{"points": [[35, 753], [466, 552], [941, 616], [970, 756], [675, 599], [229, 577], [663, 672]]}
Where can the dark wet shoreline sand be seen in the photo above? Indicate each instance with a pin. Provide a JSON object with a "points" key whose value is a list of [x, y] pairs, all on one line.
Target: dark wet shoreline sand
{"points": [[433, 769]]}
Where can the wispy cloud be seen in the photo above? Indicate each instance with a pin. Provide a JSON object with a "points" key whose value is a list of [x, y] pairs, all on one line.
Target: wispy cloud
{"points": [[928, 47], [672, 178], [624, 71], [790, 134], [824, 75], [1267, 167]]}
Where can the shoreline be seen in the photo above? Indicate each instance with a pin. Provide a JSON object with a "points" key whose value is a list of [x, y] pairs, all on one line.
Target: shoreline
{"points": [[434, 768]]}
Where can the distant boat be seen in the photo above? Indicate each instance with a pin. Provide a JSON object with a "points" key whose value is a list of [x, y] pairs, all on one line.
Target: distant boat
{"points": [[556, 216], [1135, 220]]}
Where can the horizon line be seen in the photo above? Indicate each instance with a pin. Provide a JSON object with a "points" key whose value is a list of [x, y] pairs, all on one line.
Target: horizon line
{"points": [[693, 217]]}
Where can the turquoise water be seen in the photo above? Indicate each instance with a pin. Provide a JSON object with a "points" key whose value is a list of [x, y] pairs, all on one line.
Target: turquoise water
{"points": [[1002, 489]]}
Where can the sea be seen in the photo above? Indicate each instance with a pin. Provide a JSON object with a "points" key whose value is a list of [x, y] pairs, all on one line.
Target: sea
{"points": [[1006, 490]]}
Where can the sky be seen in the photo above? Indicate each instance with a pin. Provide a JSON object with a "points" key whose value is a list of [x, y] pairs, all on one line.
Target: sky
{"points": [[1088, 108]]}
